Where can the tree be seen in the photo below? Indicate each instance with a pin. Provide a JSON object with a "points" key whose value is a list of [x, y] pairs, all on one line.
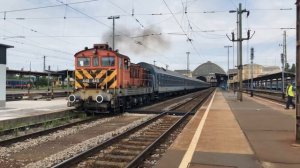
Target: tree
{"points": [[287, 67], [293, 68], [43, 81]]}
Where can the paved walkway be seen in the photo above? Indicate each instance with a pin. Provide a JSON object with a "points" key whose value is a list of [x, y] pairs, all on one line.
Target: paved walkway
{"points": [[270, 129], [253, 133], [24, 108]]}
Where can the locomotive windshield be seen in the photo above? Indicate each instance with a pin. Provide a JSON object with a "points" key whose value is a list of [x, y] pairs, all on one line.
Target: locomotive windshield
{"points": [[83, 62], [95, 61], [108, 61]]}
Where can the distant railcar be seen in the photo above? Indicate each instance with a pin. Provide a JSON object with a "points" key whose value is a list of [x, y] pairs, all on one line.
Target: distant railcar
{"points": [[16, 83]]}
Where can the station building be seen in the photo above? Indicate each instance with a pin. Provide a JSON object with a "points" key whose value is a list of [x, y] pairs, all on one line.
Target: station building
{"points": [[3, 49], [208, 72], [258, 70], [212, 73]]}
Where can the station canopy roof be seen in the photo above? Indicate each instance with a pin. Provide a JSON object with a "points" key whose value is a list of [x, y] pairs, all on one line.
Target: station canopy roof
{"points": [[208, 68], [277, 75]]}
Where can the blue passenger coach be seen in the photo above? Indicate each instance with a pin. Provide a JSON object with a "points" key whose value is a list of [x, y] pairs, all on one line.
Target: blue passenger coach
{"points": [[166, 81]]}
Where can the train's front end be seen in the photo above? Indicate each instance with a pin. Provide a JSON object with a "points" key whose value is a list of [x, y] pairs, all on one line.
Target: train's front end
{"points": [[95, 79]]}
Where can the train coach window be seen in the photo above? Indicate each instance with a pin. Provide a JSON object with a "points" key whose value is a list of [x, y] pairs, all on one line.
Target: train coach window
{"points": [[83, 61], [108, 61], [95, 61]]}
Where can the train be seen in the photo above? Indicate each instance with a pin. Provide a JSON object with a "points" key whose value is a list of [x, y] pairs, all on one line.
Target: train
{"points": [[16, 83], [107, 82]]}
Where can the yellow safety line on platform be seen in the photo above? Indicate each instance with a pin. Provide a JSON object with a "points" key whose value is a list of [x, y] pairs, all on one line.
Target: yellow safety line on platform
{"points": [[189, 153]]}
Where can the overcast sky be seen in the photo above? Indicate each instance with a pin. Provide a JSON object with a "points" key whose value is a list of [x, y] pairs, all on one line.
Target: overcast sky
{"points": [[38, 28]]}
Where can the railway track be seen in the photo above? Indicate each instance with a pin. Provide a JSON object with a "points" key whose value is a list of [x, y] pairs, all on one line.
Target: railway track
{"points": [[130, 148], [34, 96], [167, 105], [41, 151], [278, 99], [42, 131], [18, 134], [69, 141]]}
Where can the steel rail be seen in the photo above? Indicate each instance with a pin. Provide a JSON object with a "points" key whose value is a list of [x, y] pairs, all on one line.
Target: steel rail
{"points": [[273, 97], [79, 157], [24, 127], [150, 148], [43, 132]]}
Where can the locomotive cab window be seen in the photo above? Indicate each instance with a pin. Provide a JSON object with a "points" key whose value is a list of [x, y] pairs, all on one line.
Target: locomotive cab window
{"points": [[120, 63], [83, 62], [126, 63], [108, 61], [95, 61]]}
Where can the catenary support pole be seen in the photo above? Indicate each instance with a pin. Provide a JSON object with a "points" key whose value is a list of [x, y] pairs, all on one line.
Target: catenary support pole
{"points": [[239, 41], [252, 57], [228, 47], [297, 74]]}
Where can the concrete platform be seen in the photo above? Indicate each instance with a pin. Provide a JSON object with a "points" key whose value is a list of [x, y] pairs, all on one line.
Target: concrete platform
{"points": [[228, 133], [17, 112]]}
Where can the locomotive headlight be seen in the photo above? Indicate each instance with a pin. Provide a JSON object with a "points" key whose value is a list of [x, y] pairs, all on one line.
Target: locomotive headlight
{"points": [[99, 98], [72, 98]]}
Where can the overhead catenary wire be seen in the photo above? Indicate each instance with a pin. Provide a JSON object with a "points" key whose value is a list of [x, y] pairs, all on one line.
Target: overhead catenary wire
{"points": [[34, 45], [86, 15], [206, 34], [188, 38], [145, 14], [38, 32], [48, 6], [132, 14], [96, 20]]}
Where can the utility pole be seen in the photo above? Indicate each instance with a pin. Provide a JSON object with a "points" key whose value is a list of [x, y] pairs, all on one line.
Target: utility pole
{"points": [[188, 63], [44, 63], [228, 47], [282, 75], [29, 84], [240, 11], [48, 82], [233, 55], [113, 18], [252, 57], [68, 81], [284, 48], [297, 74]]}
